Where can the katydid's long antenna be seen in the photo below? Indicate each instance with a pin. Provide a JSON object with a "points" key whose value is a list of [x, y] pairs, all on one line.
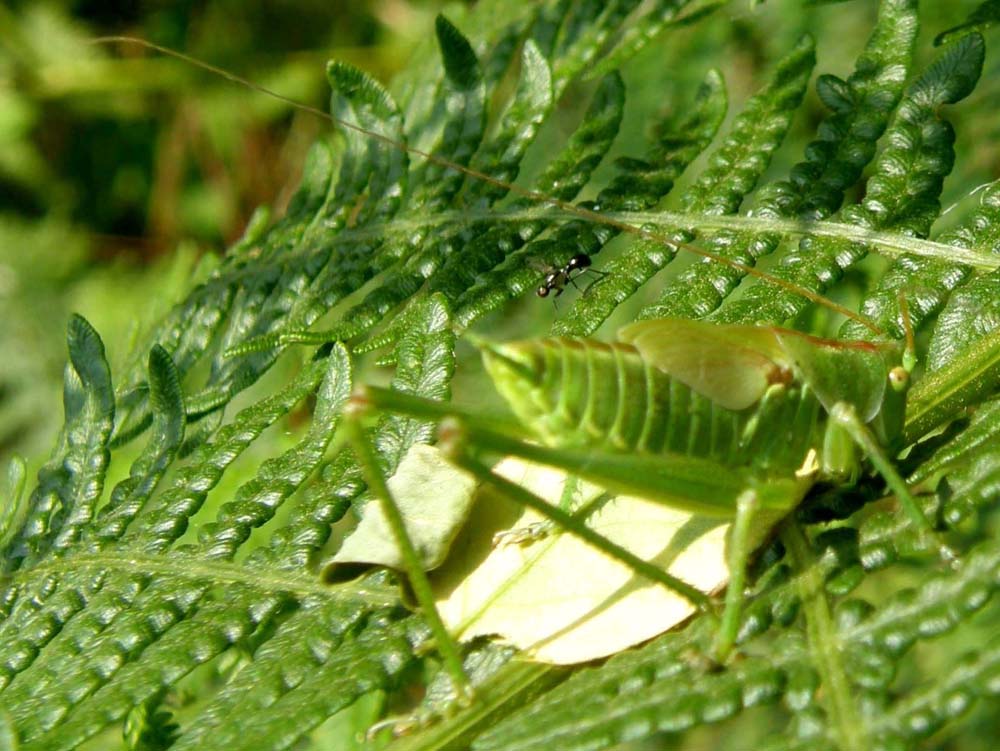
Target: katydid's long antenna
{"points": [[533, 195]]}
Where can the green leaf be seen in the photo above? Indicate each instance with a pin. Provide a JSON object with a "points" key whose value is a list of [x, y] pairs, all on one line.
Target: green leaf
{"points": [[559, 600], [70, 484]]}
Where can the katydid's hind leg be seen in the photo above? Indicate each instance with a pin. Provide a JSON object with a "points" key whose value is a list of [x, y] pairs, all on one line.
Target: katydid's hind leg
{"points": [[446, 645], [740, 548], [845, 415]]}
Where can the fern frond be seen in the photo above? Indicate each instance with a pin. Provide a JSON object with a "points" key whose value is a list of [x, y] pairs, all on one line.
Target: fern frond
{"points": [[654, 19], [982, 18], [736, 166], [429, 211], [860, 108], [165, 437], [642, 184], [150, 727], [71, 483]]}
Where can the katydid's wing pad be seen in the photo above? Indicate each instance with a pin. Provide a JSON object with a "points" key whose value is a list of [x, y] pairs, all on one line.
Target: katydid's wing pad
{"points": [[731, 365]]}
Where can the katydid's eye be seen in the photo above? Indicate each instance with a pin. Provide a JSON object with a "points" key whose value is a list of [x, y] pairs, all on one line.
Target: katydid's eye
{"points": [[542, 291], [899, 379]]}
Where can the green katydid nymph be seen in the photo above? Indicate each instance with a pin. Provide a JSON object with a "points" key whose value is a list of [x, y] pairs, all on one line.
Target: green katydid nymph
{"points": [[731, 422]]}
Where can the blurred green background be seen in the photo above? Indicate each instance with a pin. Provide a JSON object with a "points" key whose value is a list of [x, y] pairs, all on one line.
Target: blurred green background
{"points": [[122, 169]]}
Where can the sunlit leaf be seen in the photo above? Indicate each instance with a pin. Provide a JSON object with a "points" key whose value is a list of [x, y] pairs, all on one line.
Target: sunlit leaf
{"points": [[557, 598]]}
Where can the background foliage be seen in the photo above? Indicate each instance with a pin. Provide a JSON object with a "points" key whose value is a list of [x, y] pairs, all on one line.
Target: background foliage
{"points": [[161, 586]]}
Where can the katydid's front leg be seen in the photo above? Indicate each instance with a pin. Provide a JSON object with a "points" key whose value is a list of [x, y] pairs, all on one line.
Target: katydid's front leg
{"points": [[740, 548], [846, 416]]}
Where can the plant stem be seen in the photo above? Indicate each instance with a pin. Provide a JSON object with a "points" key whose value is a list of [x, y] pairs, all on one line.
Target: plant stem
{"points": [[824, 644]]}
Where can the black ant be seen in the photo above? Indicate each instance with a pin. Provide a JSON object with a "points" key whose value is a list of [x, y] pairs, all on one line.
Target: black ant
{"points": [[557, 278]]}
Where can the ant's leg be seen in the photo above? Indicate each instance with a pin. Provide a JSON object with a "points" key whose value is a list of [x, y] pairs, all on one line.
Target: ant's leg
{"points": [[599, 274]]}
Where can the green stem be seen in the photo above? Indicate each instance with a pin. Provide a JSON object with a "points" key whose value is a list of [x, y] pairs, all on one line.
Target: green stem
{"points": [[824, 644], [411, 560]]}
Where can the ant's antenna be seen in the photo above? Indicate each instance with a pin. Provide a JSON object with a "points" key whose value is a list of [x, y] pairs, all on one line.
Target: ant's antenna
{"points": [[533, 195]]}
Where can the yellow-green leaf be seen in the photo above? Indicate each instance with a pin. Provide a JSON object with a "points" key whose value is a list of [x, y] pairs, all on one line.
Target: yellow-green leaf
{"points": [[557, 598], [433, 497]]}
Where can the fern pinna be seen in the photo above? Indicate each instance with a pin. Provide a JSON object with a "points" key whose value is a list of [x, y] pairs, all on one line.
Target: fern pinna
{"points": [[122, 598]]}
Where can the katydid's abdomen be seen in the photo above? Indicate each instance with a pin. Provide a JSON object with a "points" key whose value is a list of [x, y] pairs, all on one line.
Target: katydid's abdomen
{"points": [[582, 392]]}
